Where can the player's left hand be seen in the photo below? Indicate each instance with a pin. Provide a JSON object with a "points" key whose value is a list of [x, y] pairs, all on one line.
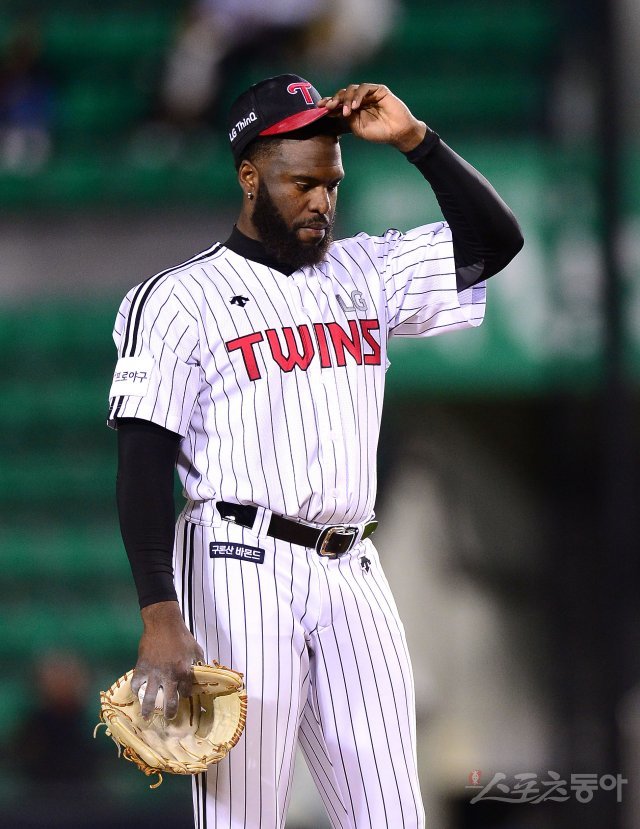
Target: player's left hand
{"points": [[376, 114], [166, 654]]}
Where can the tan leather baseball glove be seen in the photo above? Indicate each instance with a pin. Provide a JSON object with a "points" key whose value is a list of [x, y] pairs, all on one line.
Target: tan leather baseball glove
{"points": [[207, 726]]}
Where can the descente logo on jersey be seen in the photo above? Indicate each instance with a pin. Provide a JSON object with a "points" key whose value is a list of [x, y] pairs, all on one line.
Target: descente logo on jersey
{"points": [[359, 343], [228, 549]]}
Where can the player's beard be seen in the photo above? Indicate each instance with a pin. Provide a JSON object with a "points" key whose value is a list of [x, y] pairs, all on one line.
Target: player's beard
{"points": [[280, 240]]}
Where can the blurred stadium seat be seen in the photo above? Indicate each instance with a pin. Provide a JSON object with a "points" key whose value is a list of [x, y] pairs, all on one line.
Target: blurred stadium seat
{"points": [[466, 65]]}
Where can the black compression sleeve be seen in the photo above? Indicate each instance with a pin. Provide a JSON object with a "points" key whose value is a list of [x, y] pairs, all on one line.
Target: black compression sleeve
{"points": [[486, 235], [144, 488]]}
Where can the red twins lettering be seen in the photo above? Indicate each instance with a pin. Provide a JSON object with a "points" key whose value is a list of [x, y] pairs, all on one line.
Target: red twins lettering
{"points": [[341, 342], [289, 351], [323, 347], [246, 344], [367, 326], [301, 87], [294, 357]]}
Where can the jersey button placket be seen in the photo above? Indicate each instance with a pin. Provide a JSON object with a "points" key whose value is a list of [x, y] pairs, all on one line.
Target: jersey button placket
{"points": [[334, 437], [326, 453], [305, 308], [334, 434]]}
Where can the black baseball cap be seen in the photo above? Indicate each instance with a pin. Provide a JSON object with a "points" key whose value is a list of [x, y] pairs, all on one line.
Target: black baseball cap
{"points": [[275, 106]]}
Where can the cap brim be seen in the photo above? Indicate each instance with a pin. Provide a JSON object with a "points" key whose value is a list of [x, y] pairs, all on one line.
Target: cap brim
{"points": [[296, 122]]}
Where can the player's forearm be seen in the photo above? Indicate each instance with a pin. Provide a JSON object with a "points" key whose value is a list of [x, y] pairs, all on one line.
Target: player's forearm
{"points": [[485, 231], [146, 462]]}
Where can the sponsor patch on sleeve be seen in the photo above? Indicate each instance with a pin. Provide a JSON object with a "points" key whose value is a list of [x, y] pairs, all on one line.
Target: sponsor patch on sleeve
{"points": [[131, 377], [229, 549]]}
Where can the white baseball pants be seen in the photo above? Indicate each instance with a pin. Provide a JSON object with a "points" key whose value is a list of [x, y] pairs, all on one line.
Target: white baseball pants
{"points": [[325, 662]]}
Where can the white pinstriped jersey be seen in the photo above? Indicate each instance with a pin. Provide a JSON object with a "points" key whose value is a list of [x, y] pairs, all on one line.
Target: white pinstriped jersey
{"points": [[276, 382]]}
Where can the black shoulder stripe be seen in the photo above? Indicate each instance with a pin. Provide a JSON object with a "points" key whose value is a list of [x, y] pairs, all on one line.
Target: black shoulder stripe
{"points": [[130, 315], [141, 296], [148, 287]]}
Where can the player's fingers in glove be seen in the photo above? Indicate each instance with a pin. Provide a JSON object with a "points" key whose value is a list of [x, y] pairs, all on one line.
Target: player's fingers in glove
{"points": [[156, 692], [174, 682], [171, 700], [185, 683], [147, 683], [138, 679], [146, 686]]}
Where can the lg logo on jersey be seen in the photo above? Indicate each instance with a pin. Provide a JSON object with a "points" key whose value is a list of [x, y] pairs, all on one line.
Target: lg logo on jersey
{"points": [[330, 341], [358, 302]]}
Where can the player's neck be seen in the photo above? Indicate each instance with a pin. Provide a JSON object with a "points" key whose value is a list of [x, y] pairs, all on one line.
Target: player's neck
{"points": [[250, 247]]}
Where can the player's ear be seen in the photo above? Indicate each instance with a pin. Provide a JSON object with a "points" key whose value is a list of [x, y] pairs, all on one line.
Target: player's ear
{"points": [[248, 177]]}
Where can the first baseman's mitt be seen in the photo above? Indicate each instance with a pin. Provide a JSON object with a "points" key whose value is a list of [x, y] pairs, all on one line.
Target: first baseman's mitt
{"points": [[207, 726]]}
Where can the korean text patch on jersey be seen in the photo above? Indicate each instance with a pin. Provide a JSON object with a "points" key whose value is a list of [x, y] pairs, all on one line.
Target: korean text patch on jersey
{"points": [[228, 549], [131, 377]]}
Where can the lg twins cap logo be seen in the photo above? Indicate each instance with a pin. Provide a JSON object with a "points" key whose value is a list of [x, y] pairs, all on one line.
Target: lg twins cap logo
{"points": [[242, 123], [303, 88]]}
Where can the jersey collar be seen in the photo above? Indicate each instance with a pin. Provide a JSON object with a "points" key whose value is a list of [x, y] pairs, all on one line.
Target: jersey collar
{"points": [[254, 250]]}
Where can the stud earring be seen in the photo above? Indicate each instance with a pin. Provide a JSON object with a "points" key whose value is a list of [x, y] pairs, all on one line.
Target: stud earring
{"points": [[250, 196]]}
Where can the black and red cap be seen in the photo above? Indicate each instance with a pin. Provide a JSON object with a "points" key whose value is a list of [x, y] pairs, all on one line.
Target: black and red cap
{"points": [[275, 106]]}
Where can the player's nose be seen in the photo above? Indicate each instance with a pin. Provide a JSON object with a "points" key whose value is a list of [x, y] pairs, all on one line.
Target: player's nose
{"points": [[320, 201]]}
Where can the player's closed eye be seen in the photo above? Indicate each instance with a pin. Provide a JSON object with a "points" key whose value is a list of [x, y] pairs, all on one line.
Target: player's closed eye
{"points": [[305, 186]]}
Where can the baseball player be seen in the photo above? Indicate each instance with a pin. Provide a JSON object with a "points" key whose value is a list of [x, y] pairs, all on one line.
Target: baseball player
{"points": [[257, 369]]}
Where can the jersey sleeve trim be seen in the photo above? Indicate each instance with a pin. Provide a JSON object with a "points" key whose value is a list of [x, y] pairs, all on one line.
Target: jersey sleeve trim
{"points": [[141, 296], [158, 374]]}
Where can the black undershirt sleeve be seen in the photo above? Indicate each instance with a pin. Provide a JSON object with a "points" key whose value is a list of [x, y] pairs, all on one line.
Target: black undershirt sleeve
{"points": [[144, 488], [486, 235]]}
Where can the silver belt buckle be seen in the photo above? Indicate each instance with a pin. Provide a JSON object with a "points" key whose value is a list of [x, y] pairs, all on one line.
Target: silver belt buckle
{"points": [[326, 536]]}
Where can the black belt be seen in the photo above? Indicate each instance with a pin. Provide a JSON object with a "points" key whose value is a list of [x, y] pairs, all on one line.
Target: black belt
{"points": [[330, 541]]}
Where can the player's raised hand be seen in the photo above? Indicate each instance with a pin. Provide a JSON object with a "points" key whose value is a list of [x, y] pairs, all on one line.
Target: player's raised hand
{"points": [[166, 654], [376, 114]]}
